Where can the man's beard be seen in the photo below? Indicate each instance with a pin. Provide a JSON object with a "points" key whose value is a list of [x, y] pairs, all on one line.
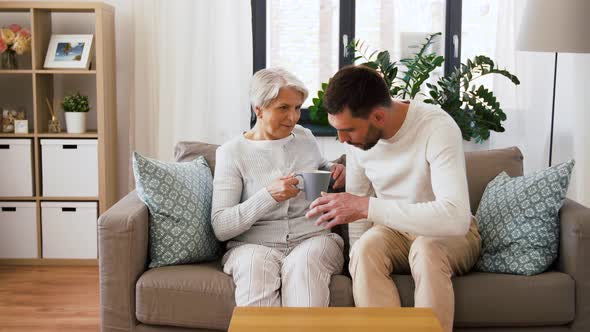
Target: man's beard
{"points": [[374, 134]]}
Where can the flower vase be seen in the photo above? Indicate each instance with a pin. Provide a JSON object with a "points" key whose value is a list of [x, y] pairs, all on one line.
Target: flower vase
{"points": [[8, 60]]}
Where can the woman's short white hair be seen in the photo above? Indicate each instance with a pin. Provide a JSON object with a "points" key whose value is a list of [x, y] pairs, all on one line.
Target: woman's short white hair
{"points": [[266, 84]]}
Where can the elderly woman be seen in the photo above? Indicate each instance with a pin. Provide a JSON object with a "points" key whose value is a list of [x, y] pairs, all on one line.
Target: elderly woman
{"points": [[276, 256]]}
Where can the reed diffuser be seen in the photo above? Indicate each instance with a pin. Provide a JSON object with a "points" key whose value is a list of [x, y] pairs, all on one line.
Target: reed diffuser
{"points": [[53, 125]]}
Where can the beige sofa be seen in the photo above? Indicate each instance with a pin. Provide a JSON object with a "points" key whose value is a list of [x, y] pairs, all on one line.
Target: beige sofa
{"points": [[200, 297]]}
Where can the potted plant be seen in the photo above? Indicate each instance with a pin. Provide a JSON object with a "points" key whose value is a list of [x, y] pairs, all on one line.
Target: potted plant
{"points": [[75, 107], [474, 108]]}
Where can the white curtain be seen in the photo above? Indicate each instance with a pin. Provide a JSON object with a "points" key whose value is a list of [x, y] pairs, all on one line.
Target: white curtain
{"points": [[528, 106], [192, 67]]}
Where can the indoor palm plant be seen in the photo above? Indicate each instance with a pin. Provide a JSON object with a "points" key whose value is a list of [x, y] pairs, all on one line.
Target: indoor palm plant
{"points": [[474, 107], [75, 107]]}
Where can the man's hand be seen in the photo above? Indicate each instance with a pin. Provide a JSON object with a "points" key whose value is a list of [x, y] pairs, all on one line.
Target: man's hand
{"points": [[337, 209], [339, 176]]}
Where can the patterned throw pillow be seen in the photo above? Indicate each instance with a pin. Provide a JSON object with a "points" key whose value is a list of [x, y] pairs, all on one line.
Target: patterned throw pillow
{"points": [[518, 219], [178, 196]]}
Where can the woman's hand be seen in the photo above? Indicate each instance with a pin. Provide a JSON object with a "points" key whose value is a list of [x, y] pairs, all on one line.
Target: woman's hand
{"points": [[339, 176], [284, 188]]}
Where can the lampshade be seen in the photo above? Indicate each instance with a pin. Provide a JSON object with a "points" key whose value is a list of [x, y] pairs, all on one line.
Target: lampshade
{"points": [[555, 26]]}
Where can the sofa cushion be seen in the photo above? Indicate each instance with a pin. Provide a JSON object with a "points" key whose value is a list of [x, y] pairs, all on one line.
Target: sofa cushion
{"points": [[518, 221], [483, 166], [201, 296], [492, 299], [189, 151], [178, 196]]}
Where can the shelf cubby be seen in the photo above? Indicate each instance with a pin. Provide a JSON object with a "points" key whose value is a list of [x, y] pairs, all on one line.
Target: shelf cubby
{"points": [[54, 87], [16, 93], [22, 17]]}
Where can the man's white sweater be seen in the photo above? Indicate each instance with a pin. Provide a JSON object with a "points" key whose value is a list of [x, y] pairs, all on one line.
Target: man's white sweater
{"points": [[417, 177]]}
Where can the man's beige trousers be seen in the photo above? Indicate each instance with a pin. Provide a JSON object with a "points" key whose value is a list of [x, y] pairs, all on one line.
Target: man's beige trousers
{"points": [[432, 261]]}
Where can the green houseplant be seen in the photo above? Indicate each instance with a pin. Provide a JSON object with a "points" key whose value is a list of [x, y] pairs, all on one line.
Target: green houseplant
{"points": [[474, 108], [75, 107]]}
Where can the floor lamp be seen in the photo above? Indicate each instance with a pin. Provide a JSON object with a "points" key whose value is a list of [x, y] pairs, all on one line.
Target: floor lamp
{"points": [[557, 27]]}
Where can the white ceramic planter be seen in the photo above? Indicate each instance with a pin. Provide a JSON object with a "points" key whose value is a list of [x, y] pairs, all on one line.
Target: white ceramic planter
{"points": [[76, 122]]}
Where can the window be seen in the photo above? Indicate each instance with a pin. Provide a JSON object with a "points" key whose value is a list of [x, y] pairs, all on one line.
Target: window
{"points": [[479, 31], [308, 37], [386, 25]]}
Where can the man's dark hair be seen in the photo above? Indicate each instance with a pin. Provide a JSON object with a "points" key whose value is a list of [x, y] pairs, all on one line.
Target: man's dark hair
{"points": [[359, 88]]}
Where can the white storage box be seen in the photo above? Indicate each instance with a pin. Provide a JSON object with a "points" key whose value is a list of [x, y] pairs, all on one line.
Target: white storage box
{"points": [[69, 229], [69, 168], [18, 230], [16, 175]]}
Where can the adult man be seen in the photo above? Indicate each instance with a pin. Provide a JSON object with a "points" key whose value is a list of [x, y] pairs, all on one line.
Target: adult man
{"points": [[409, 156]]}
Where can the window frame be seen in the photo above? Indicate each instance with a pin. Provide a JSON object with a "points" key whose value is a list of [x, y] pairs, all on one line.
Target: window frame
{"points": [[453, 13]]}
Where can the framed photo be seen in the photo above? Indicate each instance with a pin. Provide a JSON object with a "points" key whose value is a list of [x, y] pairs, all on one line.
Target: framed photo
{"points": [[69, 51]]}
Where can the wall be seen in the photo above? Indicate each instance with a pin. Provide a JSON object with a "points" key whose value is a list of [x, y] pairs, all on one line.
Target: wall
{"points": [[528, 108], [572, 121]]}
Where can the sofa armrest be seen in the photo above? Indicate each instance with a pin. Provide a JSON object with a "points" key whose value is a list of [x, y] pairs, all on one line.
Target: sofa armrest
{"points": [[123, 251], [574, 257]]}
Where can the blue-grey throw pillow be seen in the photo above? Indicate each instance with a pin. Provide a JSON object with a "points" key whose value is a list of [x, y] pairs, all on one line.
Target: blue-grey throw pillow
{"points": [[178, 196], [518, 219]]}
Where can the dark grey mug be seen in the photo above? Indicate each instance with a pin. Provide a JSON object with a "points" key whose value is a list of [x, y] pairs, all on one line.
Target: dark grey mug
{"points": [[313, 183]]}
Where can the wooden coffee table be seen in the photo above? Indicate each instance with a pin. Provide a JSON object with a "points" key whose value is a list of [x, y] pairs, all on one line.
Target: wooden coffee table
{"points": [[246, 319]]}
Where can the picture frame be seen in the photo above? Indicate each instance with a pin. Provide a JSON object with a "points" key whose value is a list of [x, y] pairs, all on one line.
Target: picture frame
{"points": [[21, 126], [69, 52]]}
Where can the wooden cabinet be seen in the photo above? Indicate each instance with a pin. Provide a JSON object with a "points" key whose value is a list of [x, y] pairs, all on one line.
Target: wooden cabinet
{"points": [[30, 85]]}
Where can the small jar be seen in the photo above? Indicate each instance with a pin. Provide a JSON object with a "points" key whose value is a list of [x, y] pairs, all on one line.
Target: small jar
{"points": [[54, 126]]}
